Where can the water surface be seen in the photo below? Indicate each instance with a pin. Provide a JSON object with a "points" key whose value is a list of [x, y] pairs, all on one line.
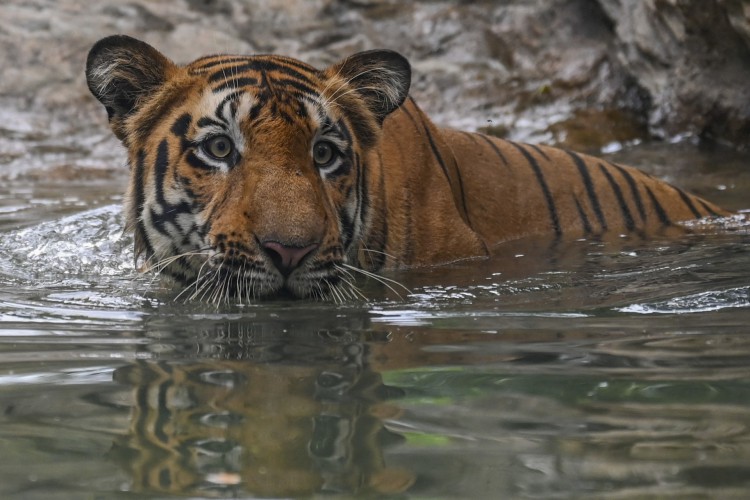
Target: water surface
{"points": [[554, 371]]}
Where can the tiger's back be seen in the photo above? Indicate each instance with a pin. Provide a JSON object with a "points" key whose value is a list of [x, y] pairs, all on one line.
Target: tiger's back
{"points": [[500, 190], [573, 194]]}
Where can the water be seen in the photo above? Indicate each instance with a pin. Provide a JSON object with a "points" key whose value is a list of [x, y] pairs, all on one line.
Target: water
{"points": [[568, 371]]}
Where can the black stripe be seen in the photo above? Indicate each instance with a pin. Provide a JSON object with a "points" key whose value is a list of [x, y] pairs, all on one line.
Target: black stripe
{"points": [[583, 169], [205, 121], [140, 200], [261, 65], [138, 180], [169, 216], [295, 63], [543, 185], [181, 125], [584, 218], [539, 150], [495, 149], [633, 191], [461, 190], [301, 111], [327, 124], [216, 62], [344, 131], [361, 191], [219, 111], [180, 129], [263, 58], [626, 214], [347, 227], [160, 171], [224, 73], [469, 135], [707, 208], [195, 162], [436, 153], [258, 105], [444, 167], [345, 166], [378, 257], [283, 114], [178, 276], [688, 202], [663, 217], [411, 117], [320, 266], [185, 242], [169, 211], [303, 88], [236, 83], [408, 247]]}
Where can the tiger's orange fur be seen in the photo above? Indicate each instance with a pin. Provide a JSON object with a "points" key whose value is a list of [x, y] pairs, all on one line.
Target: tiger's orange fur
{"points": [[335, 170]]}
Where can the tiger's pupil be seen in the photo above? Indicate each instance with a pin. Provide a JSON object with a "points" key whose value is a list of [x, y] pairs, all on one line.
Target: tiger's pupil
{"points": [[322, 153], [219, 147]]}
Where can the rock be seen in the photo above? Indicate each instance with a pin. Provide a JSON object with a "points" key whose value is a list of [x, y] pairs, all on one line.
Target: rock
{"points": [[693, 59], [527, 68]]}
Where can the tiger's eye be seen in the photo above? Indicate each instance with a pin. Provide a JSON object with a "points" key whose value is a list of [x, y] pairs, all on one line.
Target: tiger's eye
{"points": [[323, 153], [219, 146]]}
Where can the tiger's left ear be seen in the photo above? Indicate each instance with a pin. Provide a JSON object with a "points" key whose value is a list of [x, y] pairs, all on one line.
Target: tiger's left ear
{"points": [[122, 73], [381, 77]]}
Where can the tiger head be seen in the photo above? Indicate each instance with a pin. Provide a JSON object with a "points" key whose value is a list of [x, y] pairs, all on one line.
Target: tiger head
{"points": [[246, 171]]}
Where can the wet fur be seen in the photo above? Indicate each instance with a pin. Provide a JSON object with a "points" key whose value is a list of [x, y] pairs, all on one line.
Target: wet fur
{"points": [[403, 192]]}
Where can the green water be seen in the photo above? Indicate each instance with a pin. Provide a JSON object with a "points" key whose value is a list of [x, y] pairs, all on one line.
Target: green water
{"points": [[568, 371]]}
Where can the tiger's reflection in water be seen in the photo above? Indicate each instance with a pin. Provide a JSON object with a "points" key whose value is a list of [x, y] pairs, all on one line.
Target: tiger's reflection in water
{"points": [[272, 417]]}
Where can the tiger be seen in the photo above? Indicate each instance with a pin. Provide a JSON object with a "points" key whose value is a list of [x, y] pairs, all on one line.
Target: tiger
{"points": [[260, 176]]}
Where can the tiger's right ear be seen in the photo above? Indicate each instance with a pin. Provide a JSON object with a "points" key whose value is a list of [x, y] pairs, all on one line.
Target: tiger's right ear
{"points": [[121, 72], [381, 77]]}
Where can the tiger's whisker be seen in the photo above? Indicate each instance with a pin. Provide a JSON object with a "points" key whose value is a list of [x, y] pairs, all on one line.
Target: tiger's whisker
{"points": [[381, 279], [354, 292]]}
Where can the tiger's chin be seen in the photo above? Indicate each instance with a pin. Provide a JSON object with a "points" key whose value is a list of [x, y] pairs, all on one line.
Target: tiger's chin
{"points": [[226, 285]]}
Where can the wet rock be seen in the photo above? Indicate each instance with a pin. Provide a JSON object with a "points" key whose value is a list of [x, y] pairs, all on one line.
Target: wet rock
{"points": [[138, 17], [517, 66], [693, 58]]}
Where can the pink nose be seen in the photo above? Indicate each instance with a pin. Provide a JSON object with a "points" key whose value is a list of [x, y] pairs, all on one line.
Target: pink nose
{"points": [[286, 258]]}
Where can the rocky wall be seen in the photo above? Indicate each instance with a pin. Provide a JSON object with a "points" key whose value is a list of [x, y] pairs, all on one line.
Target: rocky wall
{"points": [[584, 73]]}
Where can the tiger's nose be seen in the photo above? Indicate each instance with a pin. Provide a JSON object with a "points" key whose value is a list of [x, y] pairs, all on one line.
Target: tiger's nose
{"points": [[286, 258]]}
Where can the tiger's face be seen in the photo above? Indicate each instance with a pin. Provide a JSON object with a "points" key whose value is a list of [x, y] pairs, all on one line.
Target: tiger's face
{"points": [[247, 173]]}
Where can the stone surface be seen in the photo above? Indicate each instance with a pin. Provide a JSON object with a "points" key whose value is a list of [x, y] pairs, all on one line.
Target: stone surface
{"points": [[693, 59], [526, 68]]}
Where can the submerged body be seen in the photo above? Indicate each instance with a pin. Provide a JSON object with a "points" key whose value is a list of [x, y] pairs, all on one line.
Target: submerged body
{"points": [[482, 191], [253, 176]]}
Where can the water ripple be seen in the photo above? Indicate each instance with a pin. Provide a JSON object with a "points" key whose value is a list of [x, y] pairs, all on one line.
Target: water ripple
{"points": [[712, 300], [86, 243]]}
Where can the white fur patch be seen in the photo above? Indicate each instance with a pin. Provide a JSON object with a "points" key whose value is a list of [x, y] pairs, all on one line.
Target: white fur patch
{"points": [[229, 120]]}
